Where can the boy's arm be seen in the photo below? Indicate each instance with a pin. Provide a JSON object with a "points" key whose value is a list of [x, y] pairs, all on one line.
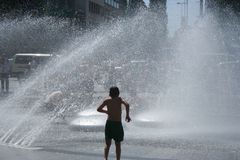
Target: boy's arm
{"points": [[100, 108], [128, 119]]}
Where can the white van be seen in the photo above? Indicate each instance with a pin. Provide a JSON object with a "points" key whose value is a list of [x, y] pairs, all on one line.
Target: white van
{"points": [[21, 62]]}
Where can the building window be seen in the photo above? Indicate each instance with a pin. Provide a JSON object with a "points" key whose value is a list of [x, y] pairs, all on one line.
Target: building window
{"points": [[112, 3], [94, 8]]}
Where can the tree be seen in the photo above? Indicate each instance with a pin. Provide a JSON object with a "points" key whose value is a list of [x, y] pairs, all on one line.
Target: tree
{"points": [[160, 7], [136, 4], [22, 5], [224, 4]]}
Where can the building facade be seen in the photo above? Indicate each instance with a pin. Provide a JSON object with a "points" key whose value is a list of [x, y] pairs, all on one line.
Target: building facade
{"points": [[91, 12]]}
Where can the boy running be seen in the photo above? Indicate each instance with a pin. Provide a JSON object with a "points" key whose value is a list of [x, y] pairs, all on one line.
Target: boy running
{"points": [[113, 127]]}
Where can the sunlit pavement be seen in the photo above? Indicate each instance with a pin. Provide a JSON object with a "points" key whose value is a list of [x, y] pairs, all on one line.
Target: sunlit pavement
{"points": [[55, 154], [93, 151], [62, 143]]}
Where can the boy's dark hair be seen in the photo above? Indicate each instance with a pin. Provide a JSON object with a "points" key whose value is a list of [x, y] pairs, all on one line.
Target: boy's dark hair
{"points": [[114, 92]]}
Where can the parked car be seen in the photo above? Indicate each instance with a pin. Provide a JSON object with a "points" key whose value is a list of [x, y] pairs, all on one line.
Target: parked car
{"points": [[21, 62]]}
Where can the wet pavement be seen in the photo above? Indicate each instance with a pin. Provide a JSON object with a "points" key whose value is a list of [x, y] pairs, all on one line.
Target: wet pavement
{"points": [[59, 142], [132, 149]]}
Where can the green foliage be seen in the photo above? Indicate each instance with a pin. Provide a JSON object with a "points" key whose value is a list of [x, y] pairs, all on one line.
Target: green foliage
{"points": [[56, 8], [136, 4], [234, 4], [22, 6]]}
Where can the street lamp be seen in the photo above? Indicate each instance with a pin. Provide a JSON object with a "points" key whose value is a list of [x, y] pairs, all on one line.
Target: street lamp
{"points": [[201, 8], [184, 12]]}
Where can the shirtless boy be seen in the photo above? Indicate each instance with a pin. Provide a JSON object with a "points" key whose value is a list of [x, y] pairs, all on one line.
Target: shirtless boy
{"points": [[113, 127]]}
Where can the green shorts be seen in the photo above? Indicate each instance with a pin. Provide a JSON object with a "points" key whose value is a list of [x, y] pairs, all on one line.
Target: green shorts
{"points": [[114, 130]]}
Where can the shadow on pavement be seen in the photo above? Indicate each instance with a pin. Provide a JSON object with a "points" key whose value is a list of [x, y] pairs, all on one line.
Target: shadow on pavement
{"points": [[97, 155]]}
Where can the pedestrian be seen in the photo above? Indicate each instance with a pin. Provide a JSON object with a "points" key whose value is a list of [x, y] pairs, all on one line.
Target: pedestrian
{"points": [[5, 73], [113, 127]]}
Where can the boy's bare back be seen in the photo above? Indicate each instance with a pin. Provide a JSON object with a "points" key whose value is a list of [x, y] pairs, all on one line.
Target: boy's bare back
{"points": [[114, 109]]}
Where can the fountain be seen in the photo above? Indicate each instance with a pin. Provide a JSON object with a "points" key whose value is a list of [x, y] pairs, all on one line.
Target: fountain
{"points": [[203, 94], [191, 89], [82, 57]]}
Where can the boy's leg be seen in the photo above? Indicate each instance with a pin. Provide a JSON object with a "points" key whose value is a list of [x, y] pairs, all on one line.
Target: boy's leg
{"points": [[118, 150], [107, 147]]}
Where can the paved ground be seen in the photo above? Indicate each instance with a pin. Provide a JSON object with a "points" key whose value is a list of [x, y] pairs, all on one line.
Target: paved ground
{"points": [[62, 143], [52, 154], [59, 142], [93, 151]]}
